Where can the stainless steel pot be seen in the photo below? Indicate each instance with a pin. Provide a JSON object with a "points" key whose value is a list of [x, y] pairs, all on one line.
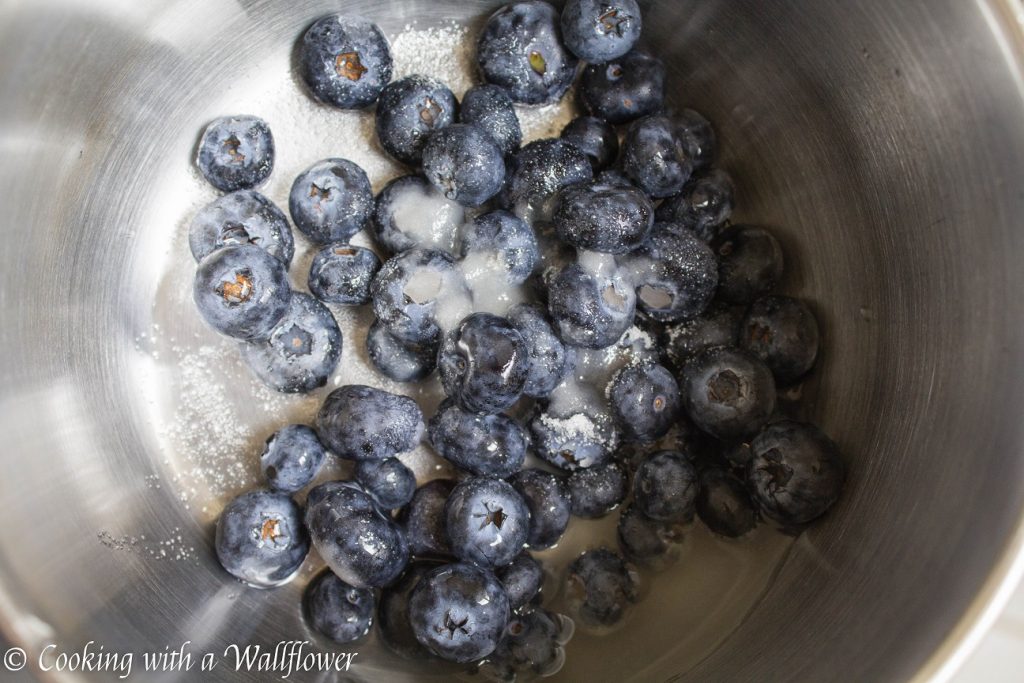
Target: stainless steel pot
{"points": [[883, 141]]}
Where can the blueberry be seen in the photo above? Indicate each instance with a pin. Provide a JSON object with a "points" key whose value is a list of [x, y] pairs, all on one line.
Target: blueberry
{"points": [[260, 538], [242, 292], [522, 580], [399, 360], [796, 473], [342, 274], [464, 163], [483, 445], [665, 487], [408, 111], [424, 519], [727, 392], [292, 458], [548, 499], [606, 218], [501, 241], [654, 158], [675, 274], [594, 137], [360, 544], [487, 521], [724, 505], [389, 482], [645, 400], [601, 30], [345, 61], [550, 359], [703, 206], [531, 647], [393, 613], [624, 89], [418, 293], [484, 363], [242, 217], [648, 542], [750, 263], [410, 213], [520, 49], [236, 153], [601, 588], [537, 173], [349, 492], [337, 610], [302, 351], [596, 491], [458, 612], [358, 422], [697, 138], [716, 327], [783, 333], [490, 108], [592, 302], [574, 431], [331, 201]]}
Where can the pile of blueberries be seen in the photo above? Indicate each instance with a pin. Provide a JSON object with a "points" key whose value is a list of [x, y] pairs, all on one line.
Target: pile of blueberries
{"points": [[620, 224]]}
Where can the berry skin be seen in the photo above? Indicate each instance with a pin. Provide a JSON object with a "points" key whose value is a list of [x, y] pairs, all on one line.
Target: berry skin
{"points": [[302, 351], [750, 263], [645, 400], [531, 646], [483, 445], [410, 213], [490, 108], [503, 237], [292, 458], [458, 612], [424, 520], [592, 302], [362, 423], [697, 137], [464, 163], [389, 482], [393, 613], [796, 473], [538, 172], [337, 610], [665, 487], [550, 359], [487, 522], [236, 153], [594, 137], [601, 588], [547, 497], [520, 49], [331, 201], [260, 538], [345, 61], [724, 505], [483, 364], [703, 206], [624, 89], [523, 580], [648, 542], [604, 218], [783, 333], [716, 327], [242, 217], [675, 274], [342, 274], [596, 491], [727, 392], [600, 31], [242, 292], [399, 360], [574, 430], [408, 111], [654, 158]]}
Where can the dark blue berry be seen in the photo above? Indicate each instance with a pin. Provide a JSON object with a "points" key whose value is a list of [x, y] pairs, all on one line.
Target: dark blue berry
{"points": [[624, 89], [331, 201], [606, 218], [703, 206], [574, 431], [594, 137], [483, 364], [408, 111], [399, 360], [242, 292], [596, 491], [348, 493], [498, 238], [424, 520], [665, 487], [645, 400], [592, 302], [646, 541], [483, 445], [547, 497], [697, 137], [337, 610], [490, 108], [464, 163], [389, 482], [236, 153], [523, 580], [411, 213], [393, 613], [654, 158], [260, 538], [601, 588], [292, 458], [727, 392], [537, 173], [487, 521], [750, 263], [601, 30], [531, 646], [716, 327], [342, 274], [675, 274], [345, 61], [724, 505], [243, 217], [783, 333], [362, 423], [550, 359]]}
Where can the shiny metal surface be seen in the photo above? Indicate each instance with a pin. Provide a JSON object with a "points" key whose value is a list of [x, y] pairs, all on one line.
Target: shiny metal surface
{"points": [[883, 141]]}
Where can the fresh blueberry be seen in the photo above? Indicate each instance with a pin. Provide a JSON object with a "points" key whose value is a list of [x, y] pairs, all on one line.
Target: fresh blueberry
{"points": [[345, 61], [724, 505], [487, 521], [648, 542], [523, 580], [419, 293], [596, 491], [337, 610], [411, 213], [716, 327], [331, 201], [389, 482], [243, 217], [783, 333], [358, 422], [236, 153], [490, 108], [393, 613], [342, 274], [458, 612], [796, 473], [550, 359], [675, 274], [302, 351], [665, 487], [531, 647], [292, 458], [645, 400], [537, 173], [424, 519], [520, 50], [601, 30], [360, 544], [501, 239], [242, 292], [750, 263], [594, 137], [484, 363], [601, 588], [483, 445], [399, 360], [464, 163], [575, 430], [624, 89], [408, 111], [592, 302], [606, 218], [653, 157], [697, 137], [703, 206], [727, 392], [349, 492], [260, 538], [547, 496]]}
